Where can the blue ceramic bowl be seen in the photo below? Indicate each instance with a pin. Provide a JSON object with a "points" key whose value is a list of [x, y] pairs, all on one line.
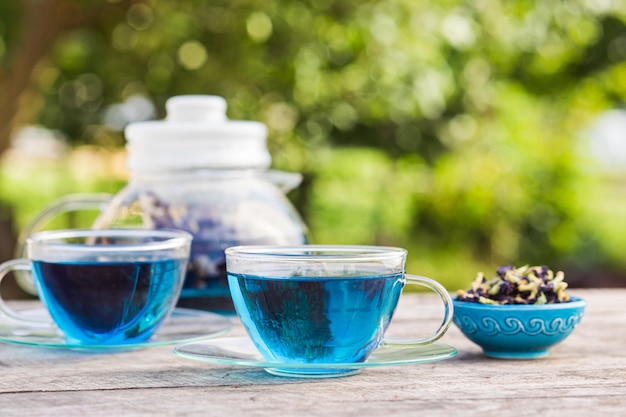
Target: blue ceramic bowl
{"points": [[517, 331]]}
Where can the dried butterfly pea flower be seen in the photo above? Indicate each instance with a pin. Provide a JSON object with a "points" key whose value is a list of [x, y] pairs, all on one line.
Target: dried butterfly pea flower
{"points": [[523, 285]]}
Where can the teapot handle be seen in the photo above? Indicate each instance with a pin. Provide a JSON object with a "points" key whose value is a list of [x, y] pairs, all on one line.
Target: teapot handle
{"points": [[285, 181], [69, 203]]}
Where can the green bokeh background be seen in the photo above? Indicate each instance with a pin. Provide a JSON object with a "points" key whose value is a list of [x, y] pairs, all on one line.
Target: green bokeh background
{"points": [[454, 129]]}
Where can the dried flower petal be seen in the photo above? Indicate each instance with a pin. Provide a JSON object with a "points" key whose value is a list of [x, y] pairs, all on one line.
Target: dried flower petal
{"points": [[523, 285]]}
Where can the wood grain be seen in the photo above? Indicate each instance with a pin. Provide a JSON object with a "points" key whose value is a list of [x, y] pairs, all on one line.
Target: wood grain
{"points": [[585, 375]]}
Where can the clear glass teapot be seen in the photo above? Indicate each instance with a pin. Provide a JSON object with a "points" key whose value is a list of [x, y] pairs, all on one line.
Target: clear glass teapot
{"points": [[199, 172]]}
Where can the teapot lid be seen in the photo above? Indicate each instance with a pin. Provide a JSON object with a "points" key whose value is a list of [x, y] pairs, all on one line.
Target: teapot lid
{"points": [[196, 134]]}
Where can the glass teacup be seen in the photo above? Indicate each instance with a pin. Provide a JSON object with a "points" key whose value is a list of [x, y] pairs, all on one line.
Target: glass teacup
{"points": [[322, 304], [102, 287]]}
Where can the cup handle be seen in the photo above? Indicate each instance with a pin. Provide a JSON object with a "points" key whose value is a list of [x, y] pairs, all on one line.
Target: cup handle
{"points": [[72, 202], [447, 316], [12, 322]]}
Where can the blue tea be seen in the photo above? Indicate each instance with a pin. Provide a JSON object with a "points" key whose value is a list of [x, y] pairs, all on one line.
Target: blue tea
{"points": [[316, 320], [109, 303]]}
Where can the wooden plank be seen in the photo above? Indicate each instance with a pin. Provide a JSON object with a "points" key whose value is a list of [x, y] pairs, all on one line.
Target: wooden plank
{"points": [[585, 375], [346, 401]]}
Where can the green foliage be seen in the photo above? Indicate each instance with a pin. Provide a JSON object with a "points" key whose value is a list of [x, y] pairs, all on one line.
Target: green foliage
{"points": [[444, 126], [32, 185]]}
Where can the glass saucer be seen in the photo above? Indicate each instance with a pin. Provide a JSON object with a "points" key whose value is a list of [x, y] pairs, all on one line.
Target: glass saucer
{"points": [[183, 326], [240, 351]]}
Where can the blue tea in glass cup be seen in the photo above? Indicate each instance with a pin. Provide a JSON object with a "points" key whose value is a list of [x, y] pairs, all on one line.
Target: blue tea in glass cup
{"points": [[102, 287], [327, 304]]}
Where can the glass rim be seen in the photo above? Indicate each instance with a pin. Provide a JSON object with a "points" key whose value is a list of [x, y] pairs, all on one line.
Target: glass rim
{"points": [[52, 239], [324, 253]]}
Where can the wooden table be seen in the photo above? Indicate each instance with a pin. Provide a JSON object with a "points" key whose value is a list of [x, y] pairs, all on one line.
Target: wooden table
{"points": [[583, 376]]}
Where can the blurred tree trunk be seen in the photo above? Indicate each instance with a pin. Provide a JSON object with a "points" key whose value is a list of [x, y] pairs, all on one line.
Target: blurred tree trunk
{"points": [[38, 30], [42, 21], [41, 24], [9, 288]]}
